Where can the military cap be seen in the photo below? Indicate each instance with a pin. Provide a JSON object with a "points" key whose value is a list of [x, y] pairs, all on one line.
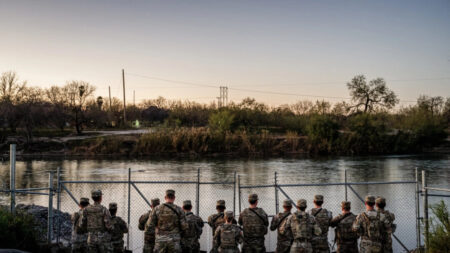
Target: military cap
{"points": [[318, 197], [229, 214], [370, 199], [155, 202], [287, 203], [84, 200], [253, 197], [187, 203], [113, 205], [345, 204], [301, 203], [96, 193], [220, 203], [380, 200], [170, 192]]}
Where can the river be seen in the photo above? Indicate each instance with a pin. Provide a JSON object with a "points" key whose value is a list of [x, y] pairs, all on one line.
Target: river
{"points": [[34, 173]]}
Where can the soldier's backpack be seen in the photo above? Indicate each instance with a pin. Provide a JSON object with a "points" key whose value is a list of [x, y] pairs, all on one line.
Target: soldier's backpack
{"points": [[254, 225], [323, 217], [142, 220], [95, 215], [194, 230], [373, 226], [302, 227], [227, 237]]}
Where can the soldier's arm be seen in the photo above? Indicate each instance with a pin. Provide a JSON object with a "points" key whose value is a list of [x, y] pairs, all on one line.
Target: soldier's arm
{"points": [[216, 239], [356, 227], [387, 224], [83, 223], [240, 219], [274, 223], [335, 221], [124, 226], [151, 221], [107, 219], [266, 218], [240, 236], [183, 223], [142, 220]]}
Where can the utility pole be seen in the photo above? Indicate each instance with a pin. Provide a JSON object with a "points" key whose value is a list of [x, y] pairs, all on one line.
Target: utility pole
{"points": [[124, 102], [223, 99], [109, 89]]}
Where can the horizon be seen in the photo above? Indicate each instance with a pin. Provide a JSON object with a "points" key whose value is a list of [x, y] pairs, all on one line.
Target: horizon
{"points": [[272, 52]]}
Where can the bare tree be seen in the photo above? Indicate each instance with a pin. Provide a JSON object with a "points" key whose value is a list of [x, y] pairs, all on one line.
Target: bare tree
{"points": [[11, 90], [371, 96], [77, 92], [302, 107], [434, 105], [30, 110], [59, 114]]}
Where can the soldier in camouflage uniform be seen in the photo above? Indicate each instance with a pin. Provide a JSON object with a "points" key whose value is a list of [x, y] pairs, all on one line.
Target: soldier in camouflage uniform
{"points": [[119, 228], [217, 219], [149, 233], [371, 225], [302, 226], [283, 241], [79, 235], [228, 236], [169, 222], [254, 222], [380, 203], [323, 218], [346, 239], [97, 220], [189, 241]]}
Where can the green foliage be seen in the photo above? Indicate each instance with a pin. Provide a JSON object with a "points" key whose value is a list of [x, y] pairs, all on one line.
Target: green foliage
{"points": [[221, 121], [18, 231], [439, 234], [322, 132]]}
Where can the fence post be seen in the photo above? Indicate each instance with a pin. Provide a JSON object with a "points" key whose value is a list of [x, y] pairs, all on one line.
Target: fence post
{"points": [[197, 200], [58, 203], [417, 209], [50, 208], [234, 193], [345, 183], [276, 194], [425, 208], [12, 176], [129, 206], [239, 192]]}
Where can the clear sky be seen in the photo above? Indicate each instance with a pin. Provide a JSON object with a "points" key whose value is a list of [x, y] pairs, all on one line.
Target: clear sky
{"points": [[298, 47]]}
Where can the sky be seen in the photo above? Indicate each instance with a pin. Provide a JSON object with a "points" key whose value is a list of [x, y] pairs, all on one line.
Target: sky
{"points": [[273, 51]]}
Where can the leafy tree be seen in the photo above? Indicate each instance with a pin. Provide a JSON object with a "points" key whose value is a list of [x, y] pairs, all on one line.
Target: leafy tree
{"points": [[221, 121], [371, 96], [322, 132], [434, 105]]}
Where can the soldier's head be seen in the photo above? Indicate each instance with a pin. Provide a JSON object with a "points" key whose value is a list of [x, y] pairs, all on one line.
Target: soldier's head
{"points": [[170, 196], [346, 206], [287, 205], [318, 200], [301, 204], [381, 203], [113, 208], [84, 202], [369, 201], [96, 195], [187, 205], [229, 216], [154, 202], [253, 199], [220, 205]]}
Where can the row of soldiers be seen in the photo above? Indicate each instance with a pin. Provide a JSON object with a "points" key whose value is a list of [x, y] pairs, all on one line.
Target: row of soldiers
{"points": [[170, 228], [96, 228]]}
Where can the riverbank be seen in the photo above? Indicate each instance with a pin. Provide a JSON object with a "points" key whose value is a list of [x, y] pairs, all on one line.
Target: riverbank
{"points": [[201, 142]]}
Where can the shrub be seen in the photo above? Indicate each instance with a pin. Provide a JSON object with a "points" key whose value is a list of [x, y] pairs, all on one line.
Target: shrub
{"points": [[221, 121], [18, 231], [439, 235]]}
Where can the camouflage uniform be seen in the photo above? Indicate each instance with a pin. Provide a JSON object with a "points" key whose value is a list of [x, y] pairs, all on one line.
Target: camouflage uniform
{"points": [[97, 220], [169, 222], [371, 225], [79, 235], [227, 237], [283, 241], [189, 241], [254, 222], [119, 227], [346, 239], [217, 219], [149, 233], [323, 218], [302, 226], [387, 236]]}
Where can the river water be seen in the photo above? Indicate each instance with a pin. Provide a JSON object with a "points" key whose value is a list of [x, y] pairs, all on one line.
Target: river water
{"points": [[400, 197]]}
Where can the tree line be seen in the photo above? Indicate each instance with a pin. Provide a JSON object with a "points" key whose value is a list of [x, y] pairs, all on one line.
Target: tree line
{"points": [[370, 121]]}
